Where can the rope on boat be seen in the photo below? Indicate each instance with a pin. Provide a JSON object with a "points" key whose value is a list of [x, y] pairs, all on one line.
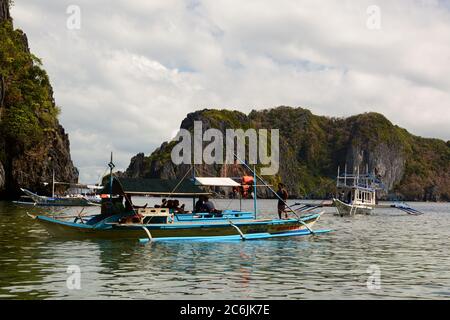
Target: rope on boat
{"points": [[148, 233], [299, 219], [182, 179], [238, 230]]}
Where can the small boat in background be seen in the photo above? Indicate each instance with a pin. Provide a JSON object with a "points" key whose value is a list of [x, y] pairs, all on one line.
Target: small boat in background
{"points": [[67, 201], [89, 198], [357, 194]]}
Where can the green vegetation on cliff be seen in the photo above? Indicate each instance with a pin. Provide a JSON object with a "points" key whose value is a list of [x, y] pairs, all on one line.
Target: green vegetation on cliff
{"points": [[312, 147], [28, 107], [32, 142]]}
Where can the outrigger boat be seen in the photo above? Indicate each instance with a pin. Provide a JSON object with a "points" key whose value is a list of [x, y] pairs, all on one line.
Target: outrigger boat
{"points": [[76, 200], [357, 194], [120, 219]]}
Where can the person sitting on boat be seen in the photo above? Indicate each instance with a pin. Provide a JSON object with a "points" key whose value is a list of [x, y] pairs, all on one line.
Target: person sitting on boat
{"points": [[162, 205], [199, 205], [283, 196], [177, 208], [210, 207]]}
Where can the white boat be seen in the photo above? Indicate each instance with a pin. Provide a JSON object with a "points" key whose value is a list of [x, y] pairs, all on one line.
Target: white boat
{"points": [[345, 209], [356, 193]]}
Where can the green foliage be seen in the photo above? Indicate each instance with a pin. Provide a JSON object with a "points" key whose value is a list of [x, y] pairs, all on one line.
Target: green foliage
{"points": [[30, 109], [312, 147], [21, 125], [228, 118]]}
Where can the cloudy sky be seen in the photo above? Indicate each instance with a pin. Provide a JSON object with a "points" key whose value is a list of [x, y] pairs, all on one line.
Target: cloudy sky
{"points": [[128, 71]]}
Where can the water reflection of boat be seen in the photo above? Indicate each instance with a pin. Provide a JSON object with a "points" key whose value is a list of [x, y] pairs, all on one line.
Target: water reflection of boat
{"points": [[120, 219]]}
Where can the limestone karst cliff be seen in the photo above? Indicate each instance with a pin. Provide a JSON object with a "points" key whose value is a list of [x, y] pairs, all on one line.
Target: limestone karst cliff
{"points": [[312, 147], [32, 142]]}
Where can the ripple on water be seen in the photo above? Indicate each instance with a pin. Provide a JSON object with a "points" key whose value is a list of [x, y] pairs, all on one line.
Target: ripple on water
{"points": [[412, 255]]}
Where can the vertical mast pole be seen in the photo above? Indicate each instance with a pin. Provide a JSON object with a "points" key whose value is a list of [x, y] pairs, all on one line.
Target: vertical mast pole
{"points": [[254, 191], [53, 183], [338, 182], [240, 199], [111, 167], [193, 181], [345, 174], [357, 177], [368, 176]]}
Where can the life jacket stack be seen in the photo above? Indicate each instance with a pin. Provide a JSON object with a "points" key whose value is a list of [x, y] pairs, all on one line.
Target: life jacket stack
{"points": [[247, 185]]}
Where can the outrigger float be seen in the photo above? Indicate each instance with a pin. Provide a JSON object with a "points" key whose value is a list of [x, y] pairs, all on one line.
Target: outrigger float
{"points": [[120, 219]]}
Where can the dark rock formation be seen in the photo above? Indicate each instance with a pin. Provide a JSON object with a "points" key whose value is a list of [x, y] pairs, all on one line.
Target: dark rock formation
{"points": [[136, 167], [32, 142], [4, 10], [312, 147]]}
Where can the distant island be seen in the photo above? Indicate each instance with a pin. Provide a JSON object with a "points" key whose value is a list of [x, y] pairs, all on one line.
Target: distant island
{"points": [[312, 147]]}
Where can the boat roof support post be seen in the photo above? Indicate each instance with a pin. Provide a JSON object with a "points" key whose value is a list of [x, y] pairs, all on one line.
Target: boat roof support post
{"points": [[345, 174], [193, 181], [53, 181], [255, 200]]}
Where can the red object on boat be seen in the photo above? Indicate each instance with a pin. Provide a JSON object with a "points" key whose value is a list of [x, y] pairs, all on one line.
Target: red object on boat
{"points": [[247, 180]]}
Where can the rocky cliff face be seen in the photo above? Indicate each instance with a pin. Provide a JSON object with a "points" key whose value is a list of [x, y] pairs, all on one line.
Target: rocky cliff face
{"points": [[136, 167], [312, 147], [4, 10], [32, 142]]}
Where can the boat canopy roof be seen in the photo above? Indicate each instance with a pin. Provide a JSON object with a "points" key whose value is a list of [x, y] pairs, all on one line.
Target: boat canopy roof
{"points": [[89, 186], [217, 182], [160, 187]]}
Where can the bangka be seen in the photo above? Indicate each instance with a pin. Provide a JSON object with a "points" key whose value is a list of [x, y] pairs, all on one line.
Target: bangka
{"points": [[357, 194], [73, 200], [120, 219], [68, 201]]}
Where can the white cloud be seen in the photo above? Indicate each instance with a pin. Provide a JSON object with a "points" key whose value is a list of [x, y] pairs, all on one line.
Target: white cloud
{"points": [[128, 77]]}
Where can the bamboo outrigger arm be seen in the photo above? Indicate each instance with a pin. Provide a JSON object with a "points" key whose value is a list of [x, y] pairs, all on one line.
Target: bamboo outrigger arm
{"points": [[238, 230]]}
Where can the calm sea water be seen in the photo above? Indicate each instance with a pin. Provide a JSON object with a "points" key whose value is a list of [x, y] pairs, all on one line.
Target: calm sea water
{"points": [[411, 253]]}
